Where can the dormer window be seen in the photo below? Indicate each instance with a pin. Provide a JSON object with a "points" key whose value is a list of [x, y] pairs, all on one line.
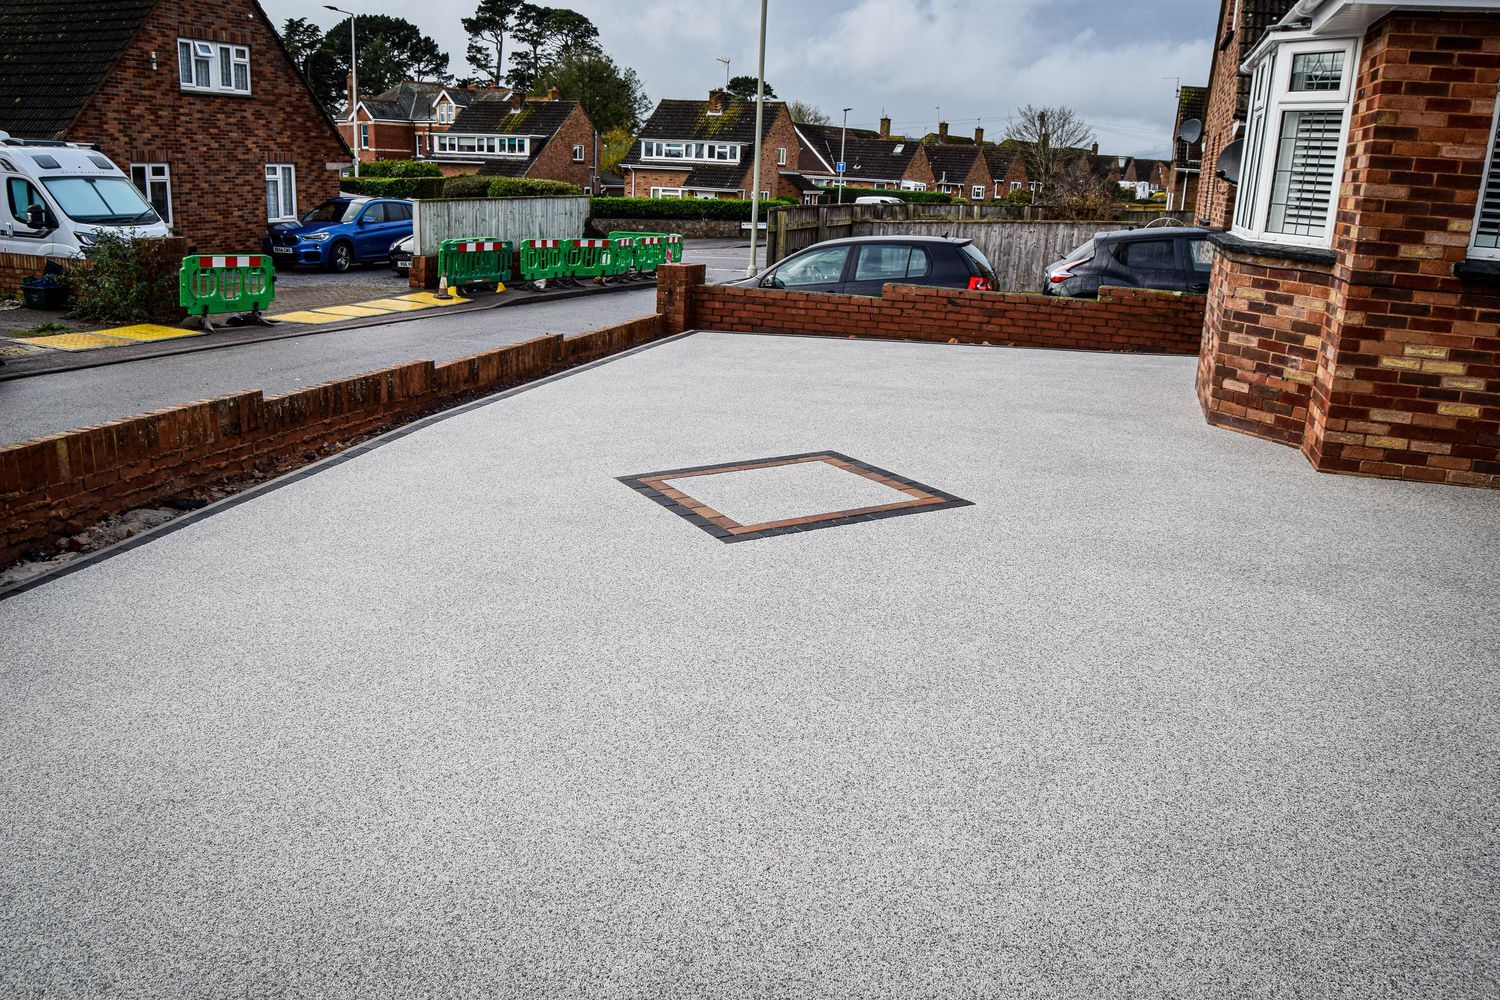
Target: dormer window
{"points": [[709, 152], [445, 113], [482, 145]]}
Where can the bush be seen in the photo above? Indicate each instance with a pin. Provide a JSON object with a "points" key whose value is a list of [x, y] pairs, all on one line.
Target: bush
{"points": [[529, 187], [394, 187], [399, 168], [679, 208], [127, 281], [466, 186], [1020, 197]]}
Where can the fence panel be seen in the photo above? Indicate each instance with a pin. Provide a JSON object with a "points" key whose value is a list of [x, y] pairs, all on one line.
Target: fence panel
{"points": [[1018, 250], [436, 220]]}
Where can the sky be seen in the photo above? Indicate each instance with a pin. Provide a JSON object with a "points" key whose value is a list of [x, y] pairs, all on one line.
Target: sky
{"points": [[1118, 65]]}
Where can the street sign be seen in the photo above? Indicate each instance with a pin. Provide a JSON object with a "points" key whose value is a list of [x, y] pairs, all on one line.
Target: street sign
{"points": [[840, 167]]}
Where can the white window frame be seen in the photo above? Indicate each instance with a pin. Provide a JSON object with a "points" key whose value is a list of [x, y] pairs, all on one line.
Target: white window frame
{"points": [[781, 156], [977, 192], [1015, 185], [1271, 99], [445, 113], [154, 174], [285, 175], [505, 146], [578, 153], [665, 192], [364, 135], [700, 152], [1487, 180], [222, 59]]}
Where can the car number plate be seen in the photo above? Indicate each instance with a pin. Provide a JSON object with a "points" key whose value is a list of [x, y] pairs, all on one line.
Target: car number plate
{"points": [[403, 265], [281, 249]]}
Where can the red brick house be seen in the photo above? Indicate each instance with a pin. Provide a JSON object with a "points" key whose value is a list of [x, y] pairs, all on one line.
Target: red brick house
{"points": [[545, 139], [400, 123], [706, 149], [1187, 157], [1354, 309], [874, 161], [959, 168], [199, 102]]}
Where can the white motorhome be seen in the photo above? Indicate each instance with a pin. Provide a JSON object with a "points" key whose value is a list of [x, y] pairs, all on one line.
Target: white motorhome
{"points": [[60, 195]]}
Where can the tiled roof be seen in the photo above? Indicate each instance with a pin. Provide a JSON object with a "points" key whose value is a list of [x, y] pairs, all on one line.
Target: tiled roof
{"points": [[951, 163], [413, 100], [799, 182], [869, 157], [1192, 102], [1000, 156], [688, 120], [53, 56], [501, 118], [512, 166], [718, 176], [1256, 18]]}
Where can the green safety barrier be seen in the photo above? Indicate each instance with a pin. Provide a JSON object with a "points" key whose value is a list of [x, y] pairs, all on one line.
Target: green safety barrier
{"points": [[543, 260], [653, 249], [476, 261], [215, 284], [621, 256], [587, 258]]}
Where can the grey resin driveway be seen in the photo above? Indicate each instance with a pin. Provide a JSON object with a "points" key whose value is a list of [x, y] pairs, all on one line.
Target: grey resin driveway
{"points": [[1161, 713]]}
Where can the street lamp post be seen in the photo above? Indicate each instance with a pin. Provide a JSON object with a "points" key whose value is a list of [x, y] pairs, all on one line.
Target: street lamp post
{"points": [[353, 85], [760, 114], [843, 164]]}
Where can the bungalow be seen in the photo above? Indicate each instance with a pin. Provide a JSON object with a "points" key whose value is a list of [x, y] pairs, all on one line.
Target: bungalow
{"points": [[1354, 305], [402, 122], [706, 149], [199, 102], [1007, 167], [873, 160], [547, 139], [960, 168]]}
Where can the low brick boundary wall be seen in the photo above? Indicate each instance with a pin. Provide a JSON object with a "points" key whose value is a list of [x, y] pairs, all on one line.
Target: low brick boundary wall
{"points": [[16, 266], [1121, 319], [63, 483]]}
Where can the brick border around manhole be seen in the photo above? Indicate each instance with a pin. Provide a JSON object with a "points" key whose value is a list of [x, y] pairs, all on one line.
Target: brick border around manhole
{"points": [[921, 498]]}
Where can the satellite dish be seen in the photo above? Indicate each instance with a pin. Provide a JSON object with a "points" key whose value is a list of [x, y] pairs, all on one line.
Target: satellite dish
{"points": [[1190, 131], [1229, 162]]}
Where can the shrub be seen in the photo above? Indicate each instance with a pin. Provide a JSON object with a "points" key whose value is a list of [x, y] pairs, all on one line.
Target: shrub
{"points": [[679, 208], [1018, 197], [466, 186], [399, 168], [394, 187], [529, 187], [127, 281]]}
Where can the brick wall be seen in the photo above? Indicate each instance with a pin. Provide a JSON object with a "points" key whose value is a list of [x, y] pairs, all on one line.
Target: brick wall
{"points": [[1129, 320], [216, 146], [1407, 377], [1215, 198], [60, 484], [638, 183], [555, 162], [16, 266]]}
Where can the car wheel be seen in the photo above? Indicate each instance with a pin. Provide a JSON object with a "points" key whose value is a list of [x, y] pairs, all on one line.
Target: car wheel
{"points": [[340, 258]]}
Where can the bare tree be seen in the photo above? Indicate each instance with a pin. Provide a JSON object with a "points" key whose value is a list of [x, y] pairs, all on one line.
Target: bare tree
{"points": [[806, 114], [1049, 137]]}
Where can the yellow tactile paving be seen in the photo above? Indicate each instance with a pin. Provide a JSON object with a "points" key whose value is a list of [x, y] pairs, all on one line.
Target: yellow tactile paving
{"points": [[351, 312], [74, 341], [307, 316], [149, 331], [395, 305], [432, 300]]}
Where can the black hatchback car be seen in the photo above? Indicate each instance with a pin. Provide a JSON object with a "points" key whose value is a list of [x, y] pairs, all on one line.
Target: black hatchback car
{"points": [[862, 265], [1176, 259]]}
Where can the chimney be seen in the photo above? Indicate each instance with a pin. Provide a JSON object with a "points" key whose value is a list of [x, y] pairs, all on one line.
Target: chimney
{"points": [[1094, 149], [518, 99], [979, 137], [942, 131], [716, 100], [553, 94], [885, 128]]}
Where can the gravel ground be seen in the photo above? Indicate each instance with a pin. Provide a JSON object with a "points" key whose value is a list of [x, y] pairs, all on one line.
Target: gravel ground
{"points": [[1164, 713]]}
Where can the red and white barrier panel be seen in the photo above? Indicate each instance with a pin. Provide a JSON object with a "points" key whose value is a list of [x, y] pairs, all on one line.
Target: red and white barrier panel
{"points": [[649, 240], [479, 247], [207, 262], [591, 243], [542, 244]]}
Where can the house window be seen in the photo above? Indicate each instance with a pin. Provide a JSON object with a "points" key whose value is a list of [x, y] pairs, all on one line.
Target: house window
{"points": [[978, 192], [577, 154], [484, 145], [781, 156], [445, 113], [1015, 185], [722, 152], [1485, 243], [213, 67], [154, 181], [364, 135], [660, 192], [1294, 142], [281, 192]]}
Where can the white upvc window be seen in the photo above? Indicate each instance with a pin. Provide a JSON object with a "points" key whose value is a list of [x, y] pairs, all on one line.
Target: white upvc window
{"points": [[364, 135], [213, 67], [1484, 244], [1295, 134], [281, 192], [577, 154], [445, 113], [709, 152], [781, 156], [483, 145], [978, 192], [154, 181], [1015, 185], [661, 192]]}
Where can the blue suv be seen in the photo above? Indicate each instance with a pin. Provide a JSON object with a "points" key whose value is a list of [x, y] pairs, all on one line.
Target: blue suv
{"points": [[340, 233]]}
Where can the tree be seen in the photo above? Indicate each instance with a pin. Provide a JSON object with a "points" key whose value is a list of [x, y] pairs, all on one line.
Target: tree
{"points": [[302, 39], [617, 143], [1081, 192], [487, 29], [1049, 137], [391, 49], [549, 35], [806, 114], [742, 88], [611, 95]]}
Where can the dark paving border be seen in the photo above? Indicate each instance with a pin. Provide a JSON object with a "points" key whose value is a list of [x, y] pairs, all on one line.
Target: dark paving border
{"points": [[923, 498]]}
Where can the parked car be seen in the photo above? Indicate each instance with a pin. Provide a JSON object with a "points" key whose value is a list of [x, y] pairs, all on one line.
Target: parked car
{"points": [[61, 196], [340, 233], [862, 265], [1175, 258], [878, 199], [401, 254]]}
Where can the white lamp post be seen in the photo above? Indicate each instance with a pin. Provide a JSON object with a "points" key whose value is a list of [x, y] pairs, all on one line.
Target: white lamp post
{"points": [[760, 113], [353, 85], [843, 164]]}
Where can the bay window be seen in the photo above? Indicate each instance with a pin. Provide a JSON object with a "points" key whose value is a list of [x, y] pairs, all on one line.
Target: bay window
{"points": [[1295, 133]]}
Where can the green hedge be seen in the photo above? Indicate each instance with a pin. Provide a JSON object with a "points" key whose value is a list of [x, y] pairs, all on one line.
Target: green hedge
{"points": [[466, 186], [530, 187], [394, 187], [399, 168], [914, 197], [678, 208]]}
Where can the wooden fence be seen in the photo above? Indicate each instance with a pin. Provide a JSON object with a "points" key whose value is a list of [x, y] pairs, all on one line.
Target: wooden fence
{"points": [[435, 220], [1019, 251]]}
